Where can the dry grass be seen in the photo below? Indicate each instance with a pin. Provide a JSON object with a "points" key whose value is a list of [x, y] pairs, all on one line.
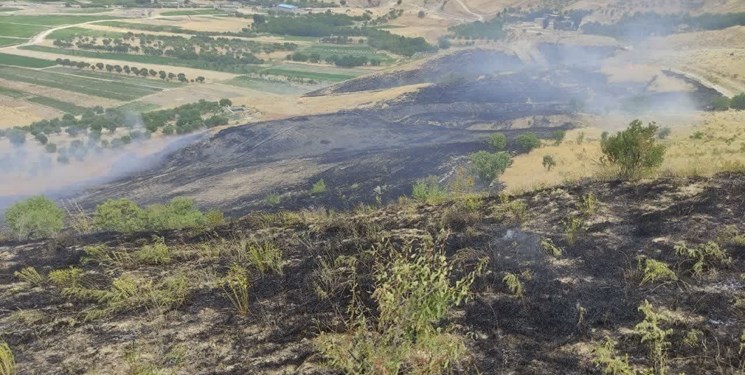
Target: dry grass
{"points": [[721, 148]]}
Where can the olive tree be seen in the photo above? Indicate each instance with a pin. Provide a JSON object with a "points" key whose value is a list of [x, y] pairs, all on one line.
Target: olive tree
{"points": [[488, 166]]}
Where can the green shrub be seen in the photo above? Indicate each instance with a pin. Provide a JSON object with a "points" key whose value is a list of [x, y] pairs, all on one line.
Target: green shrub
{"points": [[119, 215], [179, 213], [35, 217], [429, 191], [527, 142], [605, 358], [548, 162], [488, 166], [235, 286], [703, 256], [664, 133], [655, 337], [498, 141], [30, 276], [653, 271], [633, 150], [319, 187], [558, 136], [721, 103], [157, 253], [214, 218], [738, 101]]}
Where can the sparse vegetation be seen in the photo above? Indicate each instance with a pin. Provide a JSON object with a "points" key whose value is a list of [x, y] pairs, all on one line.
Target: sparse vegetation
{"points": [[703, 257], [429, 191], [235, 286], [655, 337], [655, 271], [319, 187], [7, 360]]}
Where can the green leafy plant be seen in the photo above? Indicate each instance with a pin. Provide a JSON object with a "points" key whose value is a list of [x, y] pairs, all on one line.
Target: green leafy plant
{"points": [[655, 271], [703, 256], [7, 360], [35, 217], [548, 162], [413, 294], [265, 255], [31, 276], [235, 286], [549, 247], [606, 359], [514, 282], [654, 337], [633, 150], [429, 191], [497, 141], [119, 215], [527, 142], [573, 228], [488, 166], [558, 136], [319, 187], [66, 278], [156, 253], [588, 205]]}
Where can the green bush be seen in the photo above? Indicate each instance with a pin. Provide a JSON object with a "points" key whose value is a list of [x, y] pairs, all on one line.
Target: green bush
{"points": [[488, 165], [526, 142], [179, 213], [738, 101], [319, 187], [119, 215], [633, 150], [35, 217], [558, 136], [498, 141]]}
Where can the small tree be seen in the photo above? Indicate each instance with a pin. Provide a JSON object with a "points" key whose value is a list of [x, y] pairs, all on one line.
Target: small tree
{"points": [[17, 136], [721, 103], [548, 162], [558, 136], [526, 142], [488, 166], [498, 141], [36, 217], [421, 14], [633, 150], [225, 102]]}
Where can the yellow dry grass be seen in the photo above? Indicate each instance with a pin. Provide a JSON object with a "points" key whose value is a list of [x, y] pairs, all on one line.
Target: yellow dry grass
{"points": [[721, 148]]}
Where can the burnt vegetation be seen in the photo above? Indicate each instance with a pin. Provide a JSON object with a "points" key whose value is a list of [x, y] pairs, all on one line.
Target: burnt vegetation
{"points": [[469, 284]]}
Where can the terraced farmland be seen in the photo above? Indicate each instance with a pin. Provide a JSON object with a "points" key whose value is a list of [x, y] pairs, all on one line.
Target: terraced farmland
{"points": [[94, 87]]}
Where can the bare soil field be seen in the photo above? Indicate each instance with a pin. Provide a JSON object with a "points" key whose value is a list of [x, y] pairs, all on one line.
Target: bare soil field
{"points": [[14, 112]]}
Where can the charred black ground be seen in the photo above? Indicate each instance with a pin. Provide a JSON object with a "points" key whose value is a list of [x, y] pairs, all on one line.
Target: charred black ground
{"points": [[540, 333]]}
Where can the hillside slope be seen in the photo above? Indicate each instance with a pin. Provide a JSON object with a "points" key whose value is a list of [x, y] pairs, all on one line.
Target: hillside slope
{"points": [[570, 301]]}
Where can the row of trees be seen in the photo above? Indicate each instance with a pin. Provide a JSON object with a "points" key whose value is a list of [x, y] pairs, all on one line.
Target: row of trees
{"points": [[130, 70], [640, 25], [347, 61]]}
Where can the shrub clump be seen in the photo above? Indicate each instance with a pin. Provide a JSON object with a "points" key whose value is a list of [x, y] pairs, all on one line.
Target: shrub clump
{"points": [[124, 215], [527, 142], [488, 166], [35, 217], [633, 150]]}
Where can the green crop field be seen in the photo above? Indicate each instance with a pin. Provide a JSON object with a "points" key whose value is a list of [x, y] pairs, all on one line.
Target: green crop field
{"points": [[12, 92], [53, 20], [56, 104], [118, 77], [328, 50], [72, 31], [28, 62], [318, 76], [4, 41], [193, 12], [274, 87], [138, 107], [20, 30], [89, 86], [9, 9], [146, 27]]}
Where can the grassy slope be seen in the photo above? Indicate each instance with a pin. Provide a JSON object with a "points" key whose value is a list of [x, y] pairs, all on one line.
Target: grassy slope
{"points": [[590, 292]]}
